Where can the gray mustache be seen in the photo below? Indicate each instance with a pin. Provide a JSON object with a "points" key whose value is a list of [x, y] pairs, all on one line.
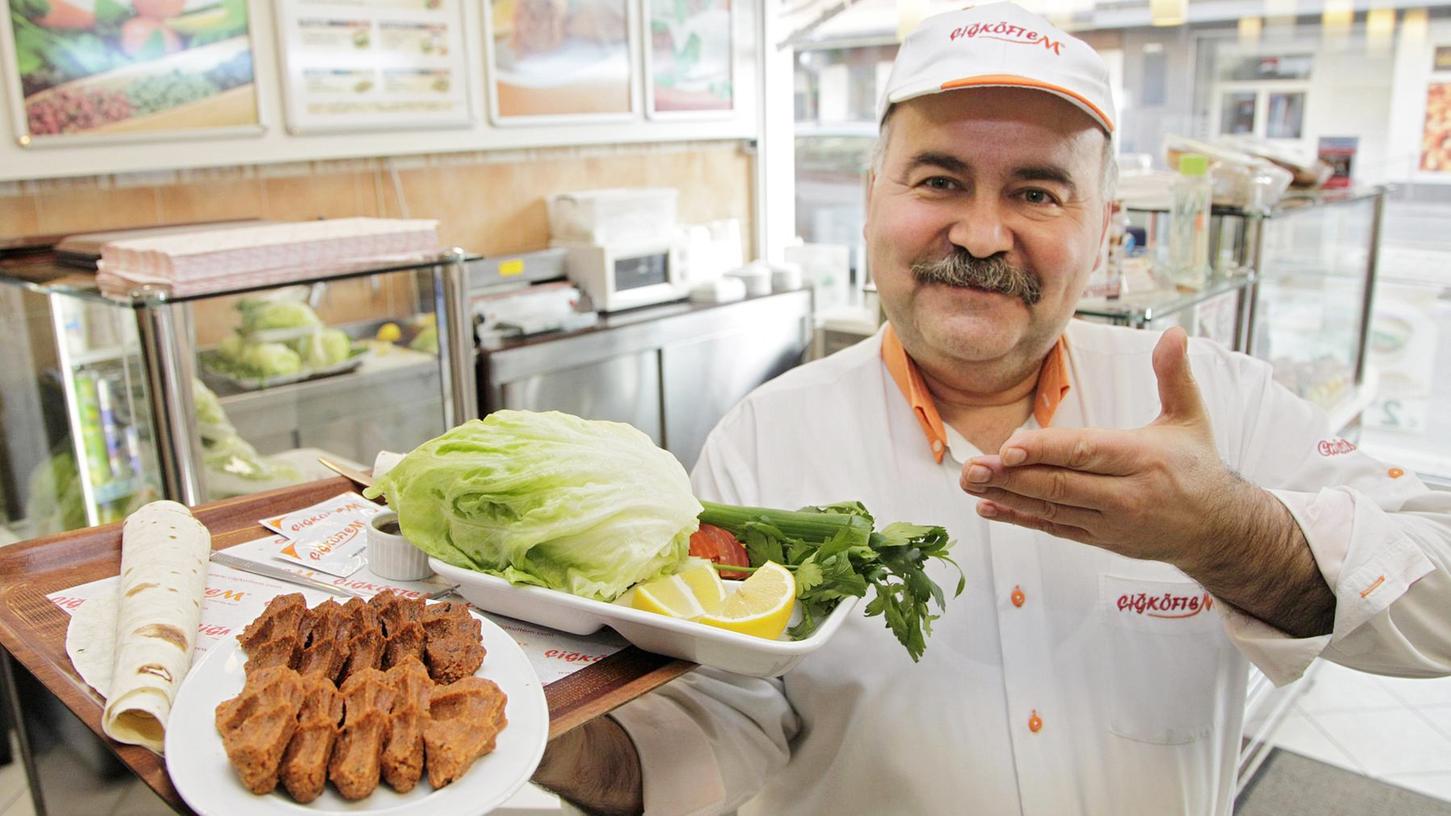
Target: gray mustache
{"points": [[992, 274]]}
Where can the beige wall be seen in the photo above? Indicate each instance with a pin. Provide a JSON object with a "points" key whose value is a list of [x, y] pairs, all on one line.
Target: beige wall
{"points": [[490, 203]]}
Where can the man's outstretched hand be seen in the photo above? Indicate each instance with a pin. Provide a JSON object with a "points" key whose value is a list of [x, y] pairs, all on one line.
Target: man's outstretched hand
{"points": [[1162, 493]]}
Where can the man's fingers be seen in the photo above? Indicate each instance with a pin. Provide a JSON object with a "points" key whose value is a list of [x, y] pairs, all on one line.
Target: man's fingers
{"points": [[997, 512], [1179, 397], [1092, 450], [1065, 514], [1058, 485]]}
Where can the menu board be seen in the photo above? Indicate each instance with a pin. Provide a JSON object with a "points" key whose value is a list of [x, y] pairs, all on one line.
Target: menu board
{"points": [[373, 64], [127, 68]]}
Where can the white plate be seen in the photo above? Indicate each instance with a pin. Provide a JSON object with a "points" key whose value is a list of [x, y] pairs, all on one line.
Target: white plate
{"points": [[202, 775], [696, 642]]}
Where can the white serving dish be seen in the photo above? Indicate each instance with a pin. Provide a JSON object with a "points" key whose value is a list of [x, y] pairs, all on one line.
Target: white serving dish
{"points": [[696, 642]]}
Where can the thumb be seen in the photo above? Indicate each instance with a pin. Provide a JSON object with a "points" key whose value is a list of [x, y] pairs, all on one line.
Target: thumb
{"points": [[1179, 398]]}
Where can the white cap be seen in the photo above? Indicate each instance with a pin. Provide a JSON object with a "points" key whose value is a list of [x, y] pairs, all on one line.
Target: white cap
{"points": [[999, 45]]}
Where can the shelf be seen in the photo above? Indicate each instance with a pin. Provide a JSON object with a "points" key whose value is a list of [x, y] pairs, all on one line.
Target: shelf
{"points": [[1141, 308], [102, 355]]}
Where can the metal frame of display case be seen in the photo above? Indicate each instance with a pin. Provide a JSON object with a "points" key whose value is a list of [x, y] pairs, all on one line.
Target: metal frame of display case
{"points": [[168, 361]]}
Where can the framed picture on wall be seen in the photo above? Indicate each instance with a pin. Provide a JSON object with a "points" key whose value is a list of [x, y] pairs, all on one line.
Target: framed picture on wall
{"points": [[1436, 133], [689, 58], [560, 60], [128, 70], [373, 66]]}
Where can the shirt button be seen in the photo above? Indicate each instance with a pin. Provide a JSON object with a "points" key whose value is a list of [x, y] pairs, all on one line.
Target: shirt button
{"points": [[1018, 598], [936, 446], [1035, 723]]}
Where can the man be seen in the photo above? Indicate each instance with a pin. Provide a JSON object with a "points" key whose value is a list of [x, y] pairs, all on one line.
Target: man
{"points": [[1107, 490]]}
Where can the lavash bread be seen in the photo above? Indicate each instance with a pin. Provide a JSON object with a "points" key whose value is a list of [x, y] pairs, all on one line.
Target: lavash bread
{"points": [[153, 621]]}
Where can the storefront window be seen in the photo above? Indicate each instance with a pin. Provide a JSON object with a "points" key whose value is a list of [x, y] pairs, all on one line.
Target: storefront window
{"points": [[1286, 116], [1238, 113]]}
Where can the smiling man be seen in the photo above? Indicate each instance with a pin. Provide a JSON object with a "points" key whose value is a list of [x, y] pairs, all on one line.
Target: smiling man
{"points": [[1138, 516]]}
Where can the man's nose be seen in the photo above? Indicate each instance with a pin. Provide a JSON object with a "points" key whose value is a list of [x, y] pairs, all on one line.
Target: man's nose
{"points": [[979, 229]]}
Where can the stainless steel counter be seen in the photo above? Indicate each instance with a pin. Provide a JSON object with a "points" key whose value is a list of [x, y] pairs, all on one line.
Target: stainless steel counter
{"points": [[672, 370]]}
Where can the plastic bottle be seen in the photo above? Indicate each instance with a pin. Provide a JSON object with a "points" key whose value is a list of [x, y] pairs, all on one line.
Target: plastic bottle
{"points": [[1189, 223]]}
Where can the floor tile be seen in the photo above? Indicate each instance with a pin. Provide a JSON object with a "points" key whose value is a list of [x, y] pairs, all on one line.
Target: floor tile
{"points": [[1431, 784], [1336, 688], [1389, 741], [1417, 692], [1298, 734]]}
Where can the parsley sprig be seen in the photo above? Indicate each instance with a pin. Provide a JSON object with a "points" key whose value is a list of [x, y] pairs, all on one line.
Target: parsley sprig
{"points": [[835, 552]]}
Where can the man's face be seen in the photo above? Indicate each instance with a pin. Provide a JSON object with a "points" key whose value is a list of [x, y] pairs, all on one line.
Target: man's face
{"points": [[1005, 181]]}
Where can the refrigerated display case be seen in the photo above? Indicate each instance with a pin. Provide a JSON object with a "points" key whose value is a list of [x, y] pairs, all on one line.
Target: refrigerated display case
{"points": [[1317, 265], [106, 403]]}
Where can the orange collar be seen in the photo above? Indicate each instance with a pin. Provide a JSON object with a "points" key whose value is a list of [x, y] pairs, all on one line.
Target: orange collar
{"points": [[1052, 388]]}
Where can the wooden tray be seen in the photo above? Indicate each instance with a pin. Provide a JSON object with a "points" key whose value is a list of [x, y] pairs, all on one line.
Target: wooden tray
{"points": [[33, 629]]}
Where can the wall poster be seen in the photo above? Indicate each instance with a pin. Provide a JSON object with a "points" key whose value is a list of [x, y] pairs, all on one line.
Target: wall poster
{"points": [[559, 59], [689, 56], [373, 64], [127, 68], [1436, 133]]}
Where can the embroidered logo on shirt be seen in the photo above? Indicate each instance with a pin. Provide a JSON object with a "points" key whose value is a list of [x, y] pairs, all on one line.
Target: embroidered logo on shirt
{"points": [[1335, 447], [1166, 605]]}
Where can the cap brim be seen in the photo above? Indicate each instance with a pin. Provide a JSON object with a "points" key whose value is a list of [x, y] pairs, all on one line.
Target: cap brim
{"points": [[1015, 81]]}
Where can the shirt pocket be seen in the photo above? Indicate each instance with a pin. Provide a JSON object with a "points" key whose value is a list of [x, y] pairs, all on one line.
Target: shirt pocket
{"points": [[1163, 643]]}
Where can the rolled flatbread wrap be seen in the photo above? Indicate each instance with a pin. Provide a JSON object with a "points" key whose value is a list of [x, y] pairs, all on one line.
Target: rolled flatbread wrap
{"points": [[158, 605]]}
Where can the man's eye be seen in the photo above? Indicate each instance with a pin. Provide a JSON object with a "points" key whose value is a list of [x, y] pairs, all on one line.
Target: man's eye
{"points": [[1038, 197], [940, 183]]}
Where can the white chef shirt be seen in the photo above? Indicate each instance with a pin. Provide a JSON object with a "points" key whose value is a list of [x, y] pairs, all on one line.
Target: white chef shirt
{"points": [[1065, 679]]}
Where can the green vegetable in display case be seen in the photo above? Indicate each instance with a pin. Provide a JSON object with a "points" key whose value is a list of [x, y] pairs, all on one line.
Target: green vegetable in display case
{"points": [[323, 348], [232, 465], [262, 315]]}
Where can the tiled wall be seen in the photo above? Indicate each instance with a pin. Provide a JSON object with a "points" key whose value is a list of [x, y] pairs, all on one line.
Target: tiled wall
{"points": [[486, 202]]}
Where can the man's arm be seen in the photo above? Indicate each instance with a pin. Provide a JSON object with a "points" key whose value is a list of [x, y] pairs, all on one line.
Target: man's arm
{"points": [[595, 768], [1264, 565]]}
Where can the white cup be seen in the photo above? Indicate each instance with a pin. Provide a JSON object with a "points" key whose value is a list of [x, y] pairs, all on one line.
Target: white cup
{"points": [[390, 555]]}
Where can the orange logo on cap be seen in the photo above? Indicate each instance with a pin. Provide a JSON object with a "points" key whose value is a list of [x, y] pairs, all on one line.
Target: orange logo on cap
{"points": [[1008, 33]]}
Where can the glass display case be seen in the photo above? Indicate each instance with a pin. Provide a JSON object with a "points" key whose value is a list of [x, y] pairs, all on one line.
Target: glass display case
{"points": [[1317, 268], [107, 403]]}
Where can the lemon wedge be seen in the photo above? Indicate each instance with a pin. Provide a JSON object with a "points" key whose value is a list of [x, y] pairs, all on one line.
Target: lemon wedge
{"points": [[668, 596], [389, 332], [761, 605], [705, 582]]}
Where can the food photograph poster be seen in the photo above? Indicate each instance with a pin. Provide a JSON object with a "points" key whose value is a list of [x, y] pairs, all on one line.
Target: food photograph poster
{"points": [[118, 67], [1436, 134], [559, 59], [690, 56]]}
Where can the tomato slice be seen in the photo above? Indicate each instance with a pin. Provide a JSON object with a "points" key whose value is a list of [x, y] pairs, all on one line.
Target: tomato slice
{"points": [[718, 545]]}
